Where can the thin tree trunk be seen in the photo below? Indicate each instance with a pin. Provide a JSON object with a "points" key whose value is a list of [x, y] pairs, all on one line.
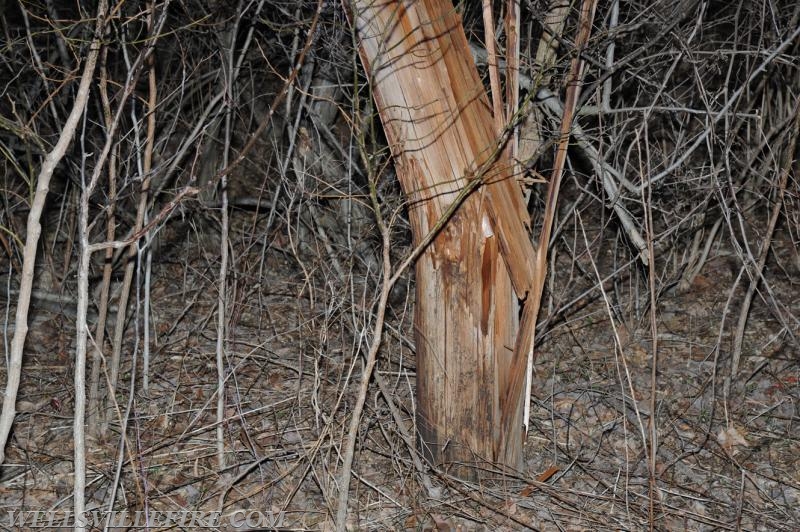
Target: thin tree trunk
{"points": [[34, 230]]}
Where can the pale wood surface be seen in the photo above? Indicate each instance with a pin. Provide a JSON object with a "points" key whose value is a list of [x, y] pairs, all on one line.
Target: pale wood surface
{"points": [[437, 119]]}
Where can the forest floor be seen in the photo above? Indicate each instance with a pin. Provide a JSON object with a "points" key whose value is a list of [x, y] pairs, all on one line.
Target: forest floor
{"points": [[728, 454]]}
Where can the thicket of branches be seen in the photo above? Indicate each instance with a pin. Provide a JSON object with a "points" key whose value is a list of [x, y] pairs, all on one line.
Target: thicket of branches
{"points": [[218, 134]]}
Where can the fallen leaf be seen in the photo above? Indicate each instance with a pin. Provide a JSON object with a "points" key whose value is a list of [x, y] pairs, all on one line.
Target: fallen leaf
{"points": [[731, 437]]}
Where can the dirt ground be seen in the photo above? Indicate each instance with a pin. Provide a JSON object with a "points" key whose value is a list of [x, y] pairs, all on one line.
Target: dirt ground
{"points": [[728, 452]]}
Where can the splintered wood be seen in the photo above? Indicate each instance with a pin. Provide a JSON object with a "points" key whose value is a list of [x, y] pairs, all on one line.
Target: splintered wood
{"points": [[480, 265]]}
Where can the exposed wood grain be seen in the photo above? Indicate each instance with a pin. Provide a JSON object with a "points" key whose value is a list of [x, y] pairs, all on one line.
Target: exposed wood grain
{"points": [[439, 124]]}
